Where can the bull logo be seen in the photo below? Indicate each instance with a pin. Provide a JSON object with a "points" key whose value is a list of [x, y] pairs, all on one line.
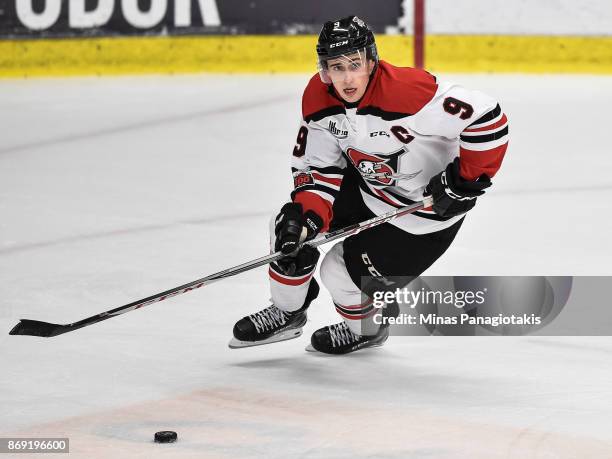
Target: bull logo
{"points": [[369, 168], [376, 170]]}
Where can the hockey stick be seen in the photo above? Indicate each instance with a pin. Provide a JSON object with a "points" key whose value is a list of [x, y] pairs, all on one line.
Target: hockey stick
{"points": [[46, 329]]}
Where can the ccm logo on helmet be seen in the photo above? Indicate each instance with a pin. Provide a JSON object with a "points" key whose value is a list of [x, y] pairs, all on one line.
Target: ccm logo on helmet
{"points": [[340, 43]]}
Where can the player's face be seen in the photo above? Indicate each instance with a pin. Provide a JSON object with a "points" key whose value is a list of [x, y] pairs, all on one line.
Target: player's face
{"points": [[350, 75]]}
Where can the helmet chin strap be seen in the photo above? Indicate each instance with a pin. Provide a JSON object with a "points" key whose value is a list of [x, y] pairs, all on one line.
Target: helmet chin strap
{"points": [[372, 73]]}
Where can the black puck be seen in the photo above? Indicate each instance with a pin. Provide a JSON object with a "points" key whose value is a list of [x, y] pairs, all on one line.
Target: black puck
{"points": [[165, 436]]}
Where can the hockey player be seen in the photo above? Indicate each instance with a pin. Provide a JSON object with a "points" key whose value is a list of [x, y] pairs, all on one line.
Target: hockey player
{"points": [[373, 137]]}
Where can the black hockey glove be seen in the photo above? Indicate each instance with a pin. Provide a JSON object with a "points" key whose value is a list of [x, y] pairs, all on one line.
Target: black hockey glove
{"points": [[294, 227], [452, 194], [299, 264]]}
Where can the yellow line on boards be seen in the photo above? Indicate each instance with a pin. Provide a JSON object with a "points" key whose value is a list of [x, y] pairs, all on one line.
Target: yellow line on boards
{"points": [[295, 54]]}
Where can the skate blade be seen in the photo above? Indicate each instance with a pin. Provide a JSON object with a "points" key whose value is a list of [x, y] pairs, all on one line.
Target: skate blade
{"points": [[309, 348], [284, 336]]}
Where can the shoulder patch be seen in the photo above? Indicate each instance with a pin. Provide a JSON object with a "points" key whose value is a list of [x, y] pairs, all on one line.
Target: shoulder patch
{"points": [[302, 178]]}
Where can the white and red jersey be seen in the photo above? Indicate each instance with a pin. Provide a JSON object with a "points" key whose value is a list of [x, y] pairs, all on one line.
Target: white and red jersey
{"points": [[406, 129]]}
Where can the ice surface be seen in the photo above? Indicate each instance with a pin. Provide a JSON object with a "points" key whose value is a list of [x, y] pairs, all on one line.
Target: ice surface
{"points": [[114, 189]]}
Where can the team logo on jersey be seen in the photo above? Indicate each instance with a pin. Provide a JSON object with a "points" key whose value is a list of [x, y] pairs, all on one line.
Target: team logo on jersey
{"points": [[339, 132], [378, 170]]}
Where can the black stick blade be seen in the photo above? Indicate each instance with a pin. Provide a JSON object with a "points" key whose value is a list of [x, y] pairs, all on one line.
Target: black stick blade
{"points": [[37, 328]]}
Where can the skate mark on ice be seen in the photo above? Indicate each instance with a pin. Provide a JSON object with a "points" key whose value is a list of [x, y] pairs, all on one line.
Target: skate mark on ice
{"points": [[146, 124], [125, 231]]}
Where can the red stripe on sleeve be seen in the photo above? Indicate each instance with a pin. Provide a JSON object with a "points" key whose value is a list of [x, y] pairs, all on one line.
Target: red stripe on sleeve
{"points": [[491, 127], [476, 163], [314, 202], [321, 178]]}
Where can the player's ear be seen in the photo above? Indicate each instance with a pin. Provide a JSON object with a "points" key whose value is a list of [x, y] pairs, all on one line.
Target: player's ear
{"points": [[371, 66]]}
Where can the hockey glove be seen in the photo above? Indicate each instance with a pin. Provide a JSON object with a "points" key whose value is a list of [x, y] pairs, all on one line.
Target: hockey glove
{"points": [[299, 264], [452, 194], [294, 227]]}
